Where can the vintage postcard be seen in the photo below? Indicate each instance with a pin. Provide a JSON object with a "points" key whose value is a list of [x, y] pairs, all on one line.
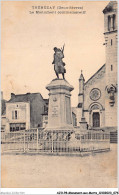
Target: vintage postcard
{"points": [[59, 94]]}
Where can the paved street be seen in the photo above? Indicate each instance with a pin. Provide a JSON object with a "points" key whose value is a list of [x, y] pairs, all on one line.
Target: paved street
{"points": [[38, 171]]}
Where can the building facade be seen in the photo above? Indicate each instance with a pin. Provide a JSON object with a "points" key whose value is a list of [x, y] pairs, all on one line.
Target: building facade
{"points": [[24, 111], [3, 113], [97, 98]]}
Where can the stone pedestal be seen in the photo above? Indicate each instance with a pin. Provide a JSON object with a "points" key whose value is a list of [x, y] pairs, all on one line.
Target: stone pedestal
{"points": [[83, 124], [59, 111]]}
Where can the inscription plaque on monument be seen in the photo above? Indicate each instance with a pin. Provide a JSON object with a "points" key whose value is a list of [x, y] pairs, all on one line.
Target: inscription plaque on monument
{"points": [[55, 111]]}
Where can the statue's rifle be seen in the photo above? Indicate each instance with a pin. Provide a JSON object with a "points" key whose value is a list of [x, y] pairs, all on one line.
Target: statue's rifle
{"points": [[63, 48]]}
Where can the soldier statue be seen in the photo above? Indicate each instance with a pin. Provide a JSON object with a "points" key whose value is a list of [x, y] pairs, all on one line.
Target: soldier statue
{"points": [[58, 62]]}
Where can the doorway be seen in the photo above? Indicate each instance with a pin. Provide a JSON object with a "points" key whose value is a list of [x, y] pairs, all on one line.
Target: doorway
{"points": [[96, 119]]}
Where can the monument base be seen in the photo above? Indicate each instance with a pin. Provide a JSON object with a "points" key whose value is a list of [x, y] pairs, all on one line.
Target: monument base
{"points": [[59, 111], [60, 128], [58, 135]]}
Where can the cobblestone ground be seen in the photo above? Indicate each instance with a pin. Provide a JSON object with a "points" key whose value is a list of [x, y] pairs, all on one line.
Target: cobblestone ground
{"points": [[38, 171]]}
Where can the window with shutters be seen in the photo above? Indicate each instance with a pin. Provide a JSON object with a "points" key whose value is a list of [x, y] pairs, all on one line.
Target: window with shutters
{"points": [[111, 67], [111, 41], [109, 23], [15, 114]]}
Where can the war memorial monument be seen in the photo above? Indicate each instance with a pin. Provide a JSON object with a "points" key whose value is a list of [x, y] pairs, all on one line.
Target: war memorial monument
{"points": [[65, 138]]}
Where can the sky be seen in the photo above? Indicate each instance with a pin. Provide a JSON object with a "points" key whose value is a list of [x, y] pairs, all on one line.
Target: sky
{"points": [[28, 39]]}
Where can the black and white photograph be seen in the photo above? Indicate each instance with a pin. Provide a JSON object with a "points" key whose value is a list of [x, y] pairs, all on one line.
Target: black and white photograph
{"points": [[59, 101]]}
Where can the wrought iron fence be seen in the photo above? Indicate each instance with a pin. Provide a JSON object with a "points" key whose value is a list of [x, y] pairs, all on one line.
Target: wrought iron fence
{"points": [[35, 141]]}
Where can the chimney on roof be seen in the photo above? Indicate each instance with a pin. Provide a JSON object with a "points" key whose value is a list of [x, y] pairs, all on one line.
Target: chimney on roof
{"points": [[1, 95], [12, 95]]}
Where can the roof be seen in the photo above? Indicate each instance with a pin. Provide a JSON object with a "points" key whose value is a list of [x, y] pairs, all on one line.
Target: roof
{"points": [[112, 6], [23, 97], [95, 73]]}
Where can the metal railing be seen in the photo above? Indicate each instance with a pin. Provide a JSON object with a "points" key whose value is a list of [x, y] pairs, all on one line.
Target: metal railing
{"points": [[35, 141]]}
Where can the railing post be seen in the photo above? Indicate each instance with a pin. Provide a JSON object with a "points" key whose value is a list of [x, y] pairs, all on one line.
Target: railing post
{"points": [[80, 142], [24, 140], [52, 142], [37, 139]]}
